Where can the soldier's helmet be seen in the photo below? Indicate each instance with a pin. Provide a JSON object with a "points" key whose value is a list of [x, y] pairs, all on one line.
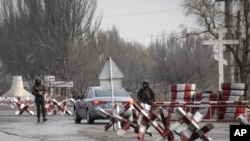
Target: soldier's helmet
{"points": [[145, 83], [38, 81]]}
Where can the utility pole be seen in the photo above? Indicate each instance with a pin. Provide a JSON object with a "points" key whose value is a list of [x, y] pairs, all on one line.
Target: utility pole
{"points": [[238, 34], [229, 36], [228, 24]]}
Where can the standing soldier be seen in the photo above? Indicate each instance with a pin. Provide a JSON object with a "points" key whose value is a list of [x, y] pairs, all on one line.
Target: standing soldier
{"points": [[146, 95], [38, 90]]}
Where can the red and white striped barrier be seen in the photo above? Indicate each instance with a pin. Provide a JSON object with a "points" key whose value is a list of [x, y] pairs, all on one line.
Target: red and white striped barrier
{"points": [[187, 95], [243, 120], [232, 92], [144, 118], [117, 125], [55, 106], [126, 113], [135, 117], [126, 123], [182, 87], [151, 119], [233, 86], [162, 131], [181, 92], [22, 106], [168, 103], [107, 116], [7, 101], [208, 112], [191, 122], [193, 131], [210, 109], [23, 103], [145, 121], [176, 126], [230, 98], [118, 116], [3, 100], [166, 123], [206, 97], [202, 133]]}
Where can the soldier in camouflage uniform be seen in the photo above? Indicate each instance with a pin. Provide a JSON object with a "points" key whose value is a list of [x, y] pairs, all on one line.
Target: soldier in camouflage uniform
{"points": [[146, 94], [38, 90]]}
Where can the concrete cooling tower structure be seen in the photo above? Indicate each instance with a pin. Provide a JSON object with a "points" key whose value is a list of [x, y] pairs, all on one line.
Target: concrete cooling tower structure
{"points": [[17, 89]]}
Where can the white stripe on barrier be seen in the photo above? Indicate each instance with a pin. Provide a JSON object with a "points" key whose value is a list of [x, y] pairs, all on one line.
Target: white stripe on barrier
{"points": [[182, 87], [233, 92], [233, 86], [242, 120], [182, 95]]}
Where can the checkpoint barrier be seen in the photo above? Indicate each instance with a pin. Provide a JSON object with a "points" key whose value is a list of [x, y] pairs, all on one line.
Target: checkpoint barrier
{"points": [[5, 101], [209, 105], [24, 103], [55, 106], [232, 92], [212, 112], [140, 126], [9, 101], [160, 121], [243, 120], [181, 92], [193, 130]]}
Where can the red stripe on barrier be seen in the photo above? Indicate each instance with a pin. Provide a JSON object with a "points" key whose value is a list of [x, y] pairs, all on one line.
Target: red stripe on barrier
{"points": [[208, 97], [233, 86], [182, 95], [182, 87]]}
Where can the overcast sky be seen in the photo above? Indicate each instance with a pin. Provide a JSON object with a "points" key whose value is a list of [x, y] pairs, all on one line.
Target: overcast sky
{"points": [[142, 19]]}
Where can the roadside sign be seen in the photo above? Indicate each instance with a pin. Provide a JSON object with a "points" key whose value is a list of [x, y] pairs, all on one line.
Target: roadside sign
{"points": [[111, 76], [49, 78], [61, 84]]}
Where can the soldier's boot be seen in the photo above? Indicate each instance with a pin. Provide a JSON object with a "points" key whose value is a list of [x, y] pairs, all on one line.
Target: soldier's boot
{"points": [[38, 115], [44, 118]]}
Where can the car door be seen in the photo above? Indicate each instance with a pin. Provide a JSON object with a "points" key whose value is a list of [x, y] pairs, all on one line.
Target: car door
{"points": [[82, 104], [88, 100]]}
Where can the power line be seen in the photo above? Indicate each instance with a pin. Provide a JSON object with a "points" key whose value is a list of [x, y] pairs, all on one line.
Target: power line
{"points": [[126, 38], [141, 13]]}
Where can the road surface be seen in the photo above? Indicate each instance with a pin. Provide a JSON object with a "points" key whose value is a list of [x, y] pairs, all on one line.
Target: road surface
{"points": [[62, 128]]}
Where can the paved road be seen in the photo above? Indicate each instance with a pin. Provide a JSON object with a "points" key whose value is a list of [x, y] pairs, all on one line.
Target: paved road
{"points": [[63, 128]]}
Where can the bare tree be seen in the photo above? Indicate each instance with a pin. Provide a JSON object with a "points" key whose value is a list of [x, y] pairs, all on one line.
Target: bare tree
{"points": [[40, 36], [208, 15], [242, 58], [132, 58]]}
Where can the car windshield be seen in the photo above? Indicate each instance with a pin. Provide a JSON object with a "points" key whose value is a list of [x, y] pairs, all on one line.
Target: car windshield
{"points": [[107, 93]]}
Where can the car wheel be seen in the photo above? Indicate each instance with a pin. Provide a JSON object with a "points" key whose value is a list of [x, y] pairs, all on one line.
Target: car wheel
{"points": [[90, 120], [76, 117]]}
